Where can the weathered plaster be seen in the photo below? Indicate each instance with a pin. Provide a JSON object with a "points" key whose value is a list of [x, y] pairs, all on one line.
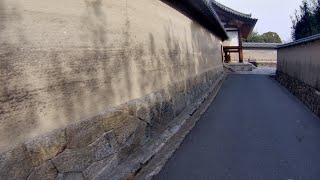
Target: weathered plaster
{"points": [[301, 62], [66, 61]]}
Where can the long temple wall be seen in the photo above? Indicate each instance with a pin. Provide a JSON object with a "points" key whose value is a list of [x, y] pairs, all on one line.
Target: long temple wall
{"points": [[301, 62], [298, 69], [261, 56], [91, 71]]}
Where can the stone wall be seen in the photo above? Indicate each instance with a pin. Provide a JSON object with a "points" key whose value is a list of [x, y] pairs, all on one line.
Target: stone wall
{"points": [[93, 148], [298, 69], [301, 62], [84, 84], [65, 61], [307, 94]]}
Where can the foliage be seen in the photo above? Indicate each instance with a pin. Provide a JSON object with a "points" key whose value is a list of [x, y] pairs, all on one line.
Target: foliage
{"points": [[271, 37], [306, 21], [268, 37]]}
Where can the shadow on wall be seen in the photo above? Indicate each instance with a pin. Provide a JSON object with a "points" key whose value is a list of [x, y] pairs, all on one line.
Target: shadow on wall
{"points": [[66, 77], [47, 89], [73, 74], [12, 98]]}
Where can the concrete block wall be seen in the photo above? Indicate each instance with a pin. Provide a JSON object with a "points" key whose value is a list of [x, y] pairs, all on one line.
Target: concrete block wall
{"points": [[85, 83]]}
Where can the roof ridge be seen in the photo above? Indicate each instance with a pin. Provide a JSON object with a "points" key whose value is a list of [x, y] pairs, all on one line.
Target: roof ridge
{"points": [[260, 43], [301, 41], [231, 10]]}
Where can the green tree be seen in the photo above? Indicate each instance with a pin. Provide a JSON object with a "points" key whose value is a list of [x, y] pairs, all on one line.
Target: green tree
{"points": [[268, 37], [306, 22], [317, 16], [254, 37], [271, 37]]}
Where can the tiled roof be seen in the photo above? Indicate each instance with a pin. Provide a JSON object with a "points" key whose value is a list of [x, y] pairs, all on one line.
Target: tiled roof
{"points": [[301, 41], [211, 13], [202, 12], [260, 45], [232, 11]]}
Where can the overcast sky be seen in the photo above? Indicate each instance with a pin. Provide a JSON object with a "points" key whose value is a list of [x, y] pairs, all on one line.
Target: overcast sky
{"points": [[272, 15]]}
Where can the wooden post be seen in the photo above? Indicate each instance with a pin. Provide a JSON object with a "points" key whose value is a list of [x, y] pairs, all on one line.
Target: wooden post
{"points": [[222, 53], [225, 56], [240, 46]]}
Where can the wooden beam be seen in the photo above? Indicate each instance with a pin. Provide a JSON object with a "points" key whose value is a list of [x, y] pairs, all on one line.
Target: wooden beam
{"points": [[231, 47], [232, 50]]}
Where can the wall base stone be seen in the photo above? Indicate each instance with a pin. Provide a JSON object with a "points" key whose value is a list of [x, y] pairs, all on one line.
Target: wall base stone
{"points": [[45, 171], [104, 145], [308, 95]]}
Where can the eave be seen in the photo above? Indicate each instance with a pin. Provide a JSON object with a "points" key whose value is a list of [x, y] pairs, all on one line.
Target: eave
{"points": [[202, 12], [233, 18]]}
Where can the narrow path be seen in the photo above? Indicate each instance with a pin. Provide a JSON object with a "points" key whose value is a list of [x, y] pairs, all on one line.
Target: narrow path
{"points": [[255, 129]]}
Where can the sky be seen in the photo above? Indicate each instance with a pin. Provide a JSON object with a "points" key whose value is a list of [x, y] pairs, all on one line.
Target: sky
{"points": [[272, 15]]}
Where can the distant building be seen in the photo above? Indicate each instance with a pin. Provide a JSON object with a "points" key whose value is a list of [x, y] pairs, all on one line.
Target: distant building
{"points": [[238, 25], [261, 53]]}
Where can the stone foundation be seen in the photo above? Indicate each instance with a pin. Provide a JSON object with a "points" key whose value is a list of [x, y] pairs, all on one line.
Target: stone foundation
{"points": [[308, 95], [240, 66], [87, 149]]}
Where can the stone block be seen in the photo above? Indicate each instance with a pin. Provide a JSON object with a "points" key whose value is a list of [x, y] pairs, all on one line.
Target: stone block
{"points": [[105, 146], [162, 95], [85, 132], [198, 79], [179, 103], [45, 171], [106, 164], [15, 163], [46, 147], [145, 114], [156, 110], [129, 107], [155, 127], [70, 176], [125, 128], [59, 177], [141, 135], [166, 113], [73, 160], [135, 141], [181, 87]]}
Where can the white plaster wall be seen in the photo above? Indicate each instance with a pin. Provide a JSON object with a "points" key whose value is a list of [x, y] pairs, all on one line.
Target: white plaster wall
{"points": [[260, 55], [233, 39], [62, 61]]}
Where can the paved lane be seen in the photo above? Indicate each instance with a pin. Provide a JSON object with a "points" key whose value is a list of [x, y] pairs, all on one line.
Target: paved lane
{"points": [[254, 129]]}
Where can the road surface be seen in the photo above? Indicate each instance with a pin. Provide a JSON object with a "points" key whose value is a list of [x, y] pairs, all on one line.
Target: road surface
{"points": [[255, 129]]}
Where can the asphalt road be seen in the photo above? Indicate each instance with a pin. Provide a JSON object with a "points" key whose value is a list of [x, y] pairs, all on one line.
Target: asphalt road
{"points": [[255, 129]]}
